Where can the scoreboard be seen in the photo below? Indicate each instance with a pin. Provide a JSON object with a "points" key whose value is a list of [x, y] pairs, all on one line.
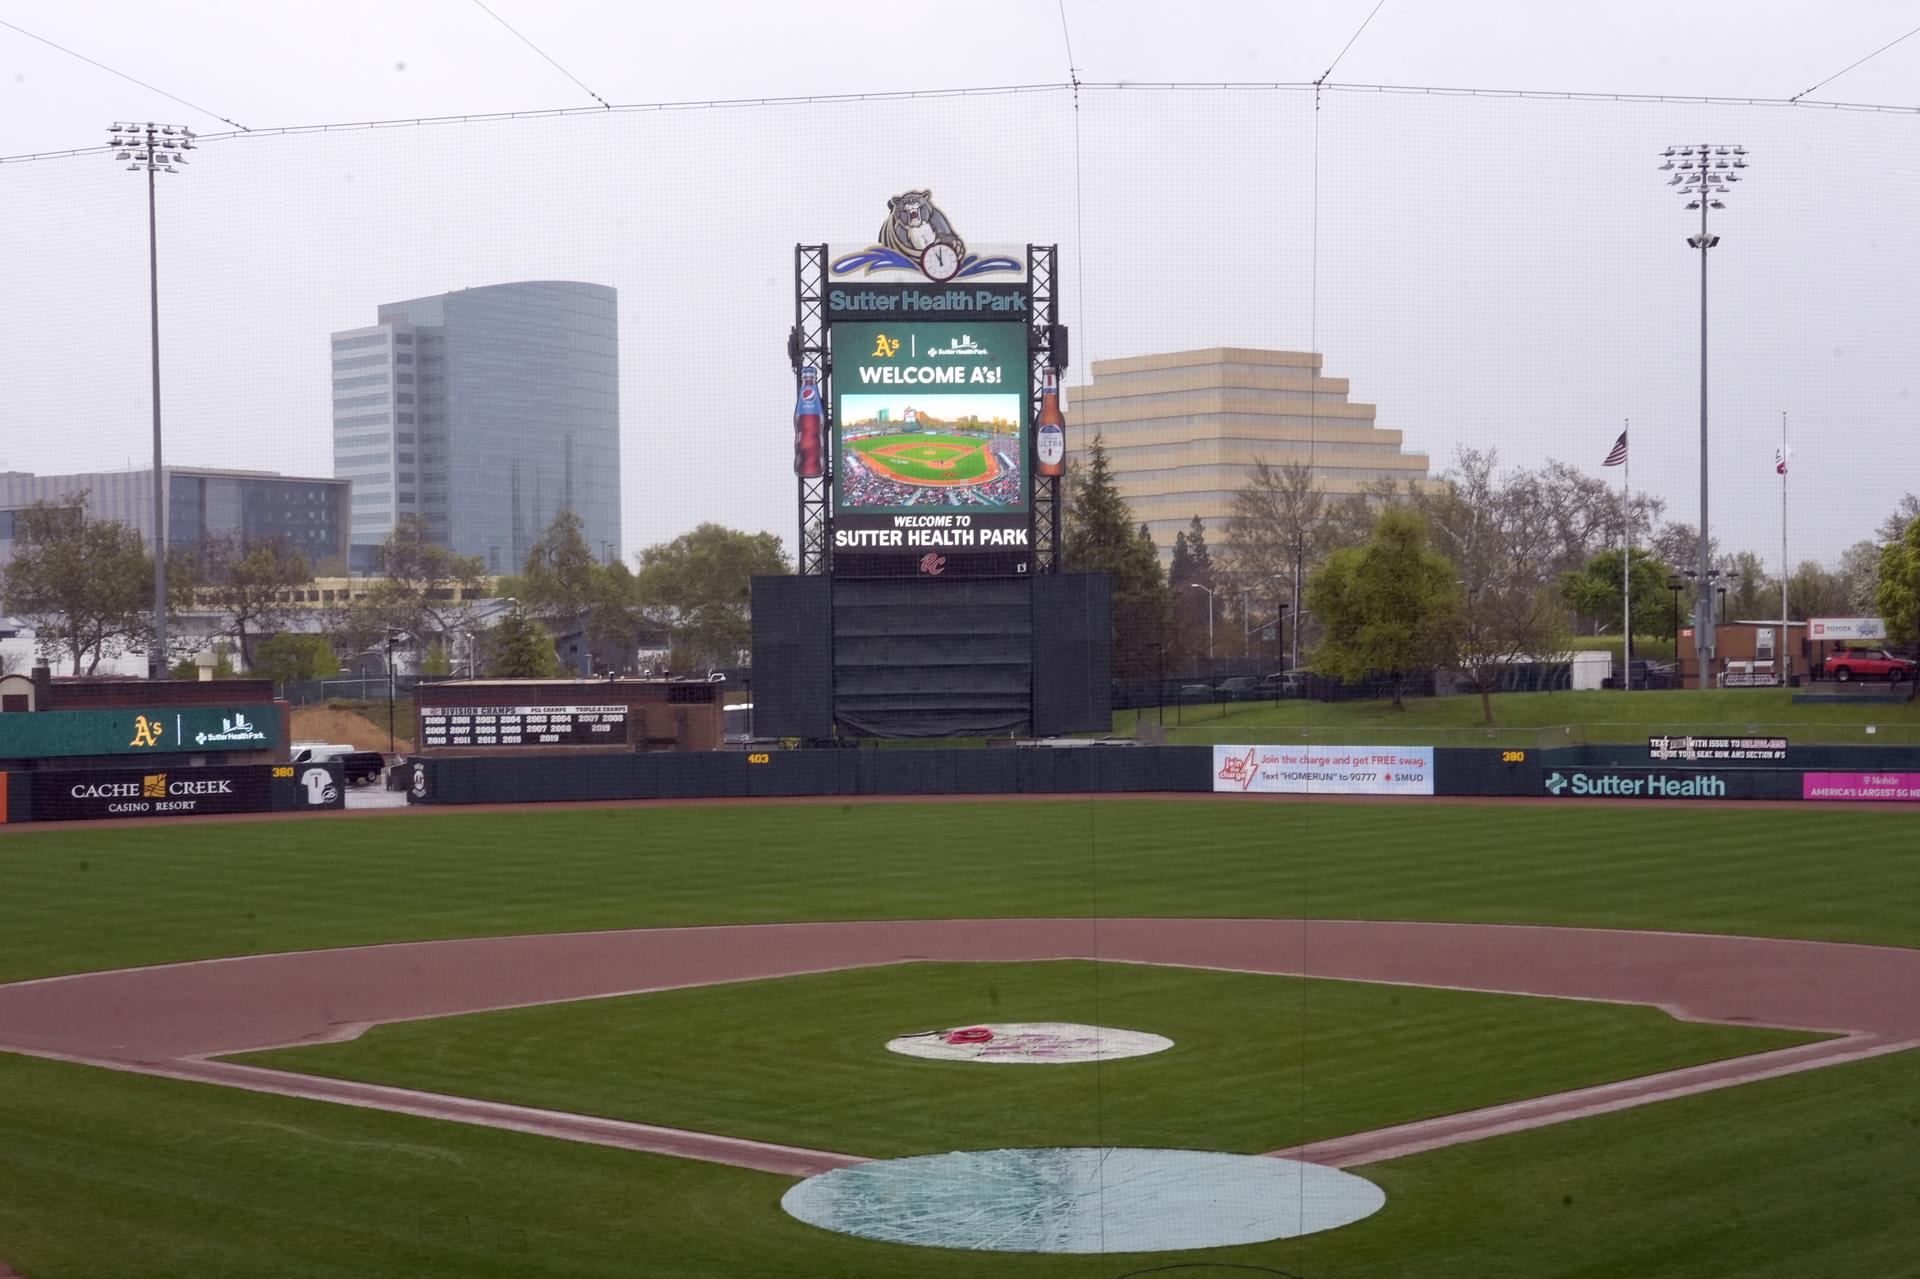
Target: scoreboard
{"points": [[523, 726]]}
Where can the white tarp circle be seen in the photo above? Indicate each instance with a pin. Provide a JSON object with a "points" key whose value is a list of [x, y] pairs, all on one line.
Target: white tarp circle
{"points": [[1082, 1200]]}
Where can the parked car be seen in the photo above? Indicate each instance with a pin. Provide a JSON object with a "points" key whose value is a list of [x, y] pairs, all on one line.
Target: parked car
{"points": [[1285, 684], [358, 766], [1238, 688], [1846, 664], [1196, 692]]}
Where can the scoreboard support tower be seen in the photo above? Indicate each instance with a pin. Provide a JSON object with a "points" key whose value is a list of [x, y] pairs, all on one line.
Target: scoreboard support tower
{"points": [[807, 345]]}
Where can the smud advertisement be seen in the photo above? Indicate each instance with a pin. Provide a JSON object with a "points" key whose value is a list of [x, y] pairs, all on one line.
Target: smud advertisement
{"points": [[1323, 770], [930, 446]]}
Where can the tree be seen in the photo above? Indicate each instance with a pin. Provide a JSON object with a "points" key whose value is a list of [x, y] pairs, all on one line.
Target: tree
{"points": [[1678, 545], [1860, 577], [1748, 589], [1392, 606], [1279, 525], [436, 662], [1894, 527], [1101, 537], [423, 591], [1180, 569], [85, 585], [251, 585], [1898, 593], [520, 648], [188, 668], [1593, 591], [698, 587], [567, 588], [1815, 591], [1484, 524], [290, 657]]}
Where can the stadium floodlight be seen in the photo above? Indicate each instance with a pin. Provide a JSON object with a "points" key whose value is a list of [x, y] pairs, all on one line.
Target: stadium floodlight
{"points": [[156, 149], [1704, 175]]}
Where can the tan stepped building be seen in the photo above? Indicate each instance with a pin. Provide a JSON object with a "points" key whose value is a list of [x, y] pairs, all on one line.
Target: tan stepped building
{"points": [[1183, 431]]}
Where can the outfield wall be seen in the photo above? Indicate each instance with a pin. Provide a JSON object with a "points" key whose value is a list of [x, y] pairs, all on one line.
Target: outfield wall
{"points": [[160, 791], [1457, 771]]}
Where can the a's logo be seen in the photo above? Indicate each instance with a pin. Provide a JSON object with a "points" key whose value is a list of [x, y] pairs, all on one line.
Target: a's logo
{"points": [[146, 732], [1556, 784], [885, 347], [319, 787], [917, 236], [1243, 769], [933, 565], [153, 786]]}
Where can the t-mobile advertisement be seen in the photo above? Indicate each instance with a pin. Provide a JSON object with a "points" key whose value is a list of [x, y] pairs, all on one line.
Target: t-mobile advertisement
{"points": [[1895, 787]]}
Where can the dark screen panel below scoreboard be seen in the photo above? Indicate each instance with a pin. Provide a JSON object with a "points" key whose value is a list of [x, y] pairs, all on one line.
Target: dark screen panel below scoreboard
{"points": [[523, 726]]}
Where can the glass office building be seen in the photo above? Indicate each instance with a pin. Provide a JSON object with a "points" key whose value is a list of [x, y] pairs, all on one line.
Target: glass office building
{"points": [[488, 411], [309, 514]]}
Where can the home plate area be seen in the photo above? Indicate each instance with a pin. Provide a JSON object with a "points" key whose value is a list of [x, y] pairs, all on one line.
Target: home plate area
{"points": [[1073, 1199], [1031, 1043]]}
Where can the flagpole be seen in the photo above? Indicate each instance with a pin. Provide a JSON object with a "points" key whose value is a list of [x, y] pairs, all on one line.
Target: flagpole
{"points": [[1786, 657], [1626, 559]]}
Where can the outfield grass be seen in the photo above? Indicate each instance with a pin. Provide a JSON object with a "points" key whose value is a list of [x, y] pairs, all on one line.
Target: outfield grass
{"points": [[110, 1176], [1258, 1063], [1539, 719], [85, 899]]}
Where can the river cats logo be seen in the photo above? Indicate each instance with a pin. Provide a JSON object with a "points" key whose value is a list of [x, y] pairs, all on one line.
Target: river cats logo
{"points": [[918, 238]]}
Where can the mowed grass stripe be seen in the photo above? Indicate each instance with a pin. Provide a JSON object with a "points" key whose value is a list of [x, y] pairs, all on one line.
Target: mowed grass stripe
{"points": [[1258, 1062], [79, 900]]}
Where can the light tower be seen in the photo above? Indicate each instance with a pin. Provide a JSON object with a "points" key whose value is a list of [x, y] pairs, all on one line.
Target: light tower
{"points": [[1701, 173], [157, 148]]}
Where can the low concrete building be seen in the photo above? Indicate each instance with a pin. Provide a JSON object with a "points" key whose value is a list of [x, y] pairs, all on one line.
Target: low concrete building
{"points": [[1183, 430]]}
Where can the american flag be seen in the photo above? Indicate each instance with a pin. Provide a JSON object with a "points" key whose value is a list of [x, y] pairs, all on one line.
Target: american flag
{"points": [[1619, 453]]}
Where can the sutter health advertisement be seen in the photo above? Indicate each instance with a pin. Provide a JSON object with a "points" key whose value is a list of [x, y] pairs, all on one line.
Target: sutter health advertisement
{"points": [[930, 442], [1324, 770]]}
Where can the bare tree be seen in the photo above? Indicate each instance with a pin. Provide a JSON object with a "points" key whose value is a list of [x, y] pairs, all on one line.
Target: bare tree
{"points": [[252, 585], [1485, 524]]}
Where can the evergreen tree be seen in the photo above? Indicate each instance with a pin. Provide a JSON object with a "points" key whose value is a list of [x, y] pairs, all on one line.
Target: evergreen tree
{"points": [[1101, 538], [522, 649]]}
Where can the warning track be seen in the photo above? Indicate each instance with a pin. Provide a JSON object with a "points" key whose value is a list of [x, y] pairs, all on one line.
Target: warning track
{"points": [[169, 1020]]}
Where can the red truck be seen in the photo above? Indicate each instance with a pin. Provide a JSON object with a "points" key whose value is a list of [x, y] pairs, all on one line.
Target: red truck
{"points": [[1846, 664]]}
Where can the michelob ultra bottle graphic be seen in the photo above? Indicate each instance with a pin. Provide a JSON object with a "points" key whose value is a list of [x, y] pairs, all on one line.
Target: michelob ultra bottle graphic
{"points": [[809, 428], [1050, 439]]}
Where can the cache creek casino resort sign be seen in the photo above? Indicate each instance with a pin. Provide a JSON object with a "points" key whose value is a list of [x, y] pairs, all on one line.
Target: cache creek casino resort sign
{"points": [[930, 381]]}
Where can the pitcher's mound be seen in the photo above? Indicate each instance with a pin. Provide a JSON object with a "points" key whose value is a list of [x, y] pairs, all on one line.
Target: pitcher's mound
{"points": [[1029, 1043]]}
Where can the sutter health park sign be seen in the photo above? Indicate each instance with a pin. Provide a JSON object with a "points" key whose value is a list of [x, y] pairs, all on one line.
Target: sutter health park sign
{"points": [[134, 731]]}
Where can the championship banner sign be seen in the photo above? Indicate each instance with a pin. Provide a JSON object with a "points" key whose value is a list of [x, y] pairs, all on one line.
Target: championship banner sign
{"points": [[1323, 770]]}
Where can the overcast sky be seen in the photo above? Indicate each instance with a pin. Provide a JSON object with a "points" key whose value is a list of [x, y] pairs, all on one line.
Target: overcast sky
{"points": [[1489, 271]]}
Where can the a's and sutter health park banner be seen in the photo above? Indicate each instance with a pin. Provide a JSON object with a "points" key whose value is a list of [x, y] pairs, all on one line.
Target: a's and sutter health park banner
{"points": [[1324, 770]]}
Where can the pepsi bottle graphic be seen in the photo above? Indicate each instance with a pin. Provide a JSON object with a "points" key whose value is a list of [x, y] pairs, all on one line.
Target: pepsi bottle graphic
{"points": [[809, 428], [1050, 438]]}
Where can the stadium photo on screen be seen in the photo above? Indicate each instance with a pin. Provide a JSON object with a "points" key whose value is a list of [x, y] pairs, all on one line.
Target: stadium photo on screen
{"points": [[901, 451]]}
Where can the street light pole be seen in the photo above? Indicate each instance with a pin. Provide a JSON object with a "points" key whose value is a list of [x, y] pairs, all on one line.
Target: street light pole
{"points": [[157, 149], [1209, 590], [1700, 173]]}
